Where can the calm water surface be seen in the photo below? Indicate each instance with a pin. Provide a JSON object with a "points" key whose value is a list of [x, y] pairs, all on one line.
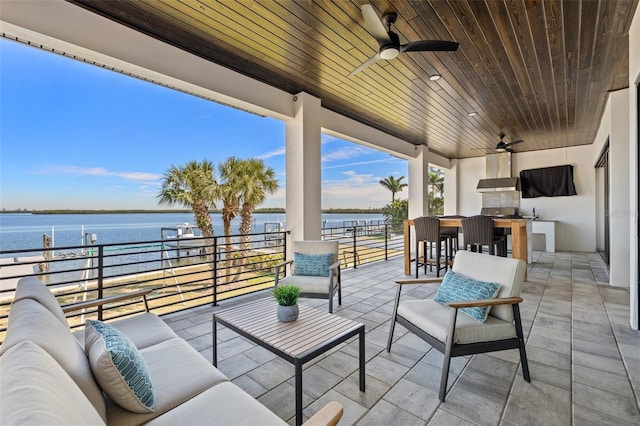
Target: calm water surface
{"points": [[25, 231]]}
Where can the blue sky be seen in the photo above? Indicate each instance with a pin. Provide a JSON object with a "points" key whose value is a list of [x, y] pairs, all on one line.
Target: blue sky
{"points": [[75, 136]]}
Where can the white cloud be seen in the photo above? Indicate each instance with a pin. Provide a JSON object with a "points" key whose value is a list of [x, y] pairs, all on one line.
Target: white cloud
{"points": [[360, 163], [100, 171], [347, 153], [274, 153]]}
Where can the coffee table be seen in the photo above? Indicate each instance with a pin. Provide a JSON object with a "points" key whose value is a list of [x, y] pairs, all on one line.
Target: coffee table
{"points": [[312, 334]]}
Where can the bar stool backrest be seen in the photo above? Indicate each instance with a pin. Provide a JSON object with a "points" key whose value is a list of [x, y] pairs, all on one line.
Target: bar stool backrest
{"points": [[478, 230], [427, 228]]}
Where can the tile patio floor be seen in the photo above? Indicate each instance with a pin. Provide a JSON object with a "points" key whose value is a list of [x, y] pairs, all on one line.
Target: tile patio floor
{"points": [[584, 358]]}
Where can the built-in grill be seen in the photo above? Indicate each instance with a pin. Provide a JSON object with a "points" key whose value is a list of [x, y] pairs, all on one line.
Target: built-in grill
{"points": [[500, 211]]}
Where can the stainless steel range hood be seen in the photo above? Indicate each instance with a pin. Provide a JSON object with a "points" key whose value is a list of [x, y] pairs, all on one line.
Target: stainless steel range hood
{"points": [[498, 174], [499, 184]]}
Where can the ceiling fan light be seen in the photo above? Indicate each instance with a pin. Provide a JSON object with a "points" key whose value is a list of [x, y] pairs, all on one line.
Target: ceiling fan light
{"points": [[389, 52], [500, 149], [435, 77], [472, 114]]}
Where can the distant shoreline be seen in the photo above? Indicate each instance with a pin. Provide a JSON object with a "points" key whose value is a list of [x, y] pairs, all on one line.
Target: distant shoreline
{"points": [[265, 210]]}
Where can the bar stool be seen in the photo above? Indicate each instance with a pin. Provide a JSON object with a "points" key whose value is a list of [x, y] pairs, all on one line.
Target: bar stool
{"points": [[503, 232], [428, 230], [477, 231], [452, 235]]}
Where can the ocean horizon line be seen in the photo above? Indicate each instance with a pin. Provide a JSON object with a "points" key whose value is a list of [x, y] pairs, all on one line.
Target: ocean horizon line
{"points": [[146, 211]]}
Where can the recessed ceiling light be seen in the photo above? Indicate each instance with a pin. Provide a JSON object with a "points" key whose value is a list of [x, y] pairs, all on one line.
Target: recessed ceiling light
{"points": [[435, 77], [473, 114]]}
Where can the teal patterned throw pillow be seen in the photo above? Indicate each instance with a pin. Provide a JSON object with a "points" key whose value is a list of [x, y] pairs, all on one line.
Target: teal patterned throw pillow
{"points": [[312, 264], [460, 288], [118, 367]]}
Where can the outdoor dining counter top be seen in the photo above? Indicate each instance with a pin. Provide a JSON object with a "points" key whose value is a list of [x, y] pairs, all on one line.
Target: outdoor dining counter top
{"points": [[518, 237]]}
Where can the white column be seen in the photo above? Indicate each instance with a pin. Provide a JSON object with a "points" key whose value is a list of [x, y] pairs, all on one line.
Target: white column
{"points": [[451, 189], [419, 183], [303, 187], [619, 205], [634, 80]]}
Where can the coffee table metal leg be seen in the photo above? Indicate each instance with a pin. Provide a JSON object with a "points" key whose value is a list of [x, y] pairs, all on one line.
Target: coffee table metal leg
{"points": [[215, 342], [362, 358], [298, 380]]}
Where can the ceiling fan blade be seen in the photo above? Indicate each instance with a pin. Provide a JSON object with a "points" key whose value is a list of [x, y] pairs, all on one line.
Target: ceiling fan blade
{"points": [[430, 46], [515, 142], [365, 65], [374, 24]]}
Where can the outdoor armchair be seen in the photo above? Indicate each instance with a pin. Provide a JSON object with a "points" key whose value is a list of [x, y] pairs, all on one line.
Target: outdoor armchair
{"points": [[315, 268], [453, 332]]}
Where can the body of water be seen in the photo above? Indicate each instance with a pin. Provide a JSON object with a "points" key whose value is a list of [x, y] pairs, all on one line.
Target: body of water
{"points": [[25, 231]]}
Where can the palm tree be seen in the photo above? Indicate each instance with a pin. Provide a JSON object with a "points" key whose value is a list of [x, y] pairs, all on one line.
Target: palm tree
{"points": [[436, 192], [436, 182], [230, 190], [394, 185], [193, 186], [257, 182]]}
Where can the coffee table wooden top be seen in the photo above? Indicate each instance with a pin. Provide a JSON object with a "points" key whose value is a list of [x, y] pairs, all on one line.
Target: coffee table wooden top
{"points": [[311, 330]]}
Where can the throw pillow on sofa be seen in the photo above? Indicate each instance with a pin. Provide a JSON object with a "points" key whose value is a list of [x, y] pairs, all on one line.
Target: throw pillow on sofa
{"points": [[118, 367]]}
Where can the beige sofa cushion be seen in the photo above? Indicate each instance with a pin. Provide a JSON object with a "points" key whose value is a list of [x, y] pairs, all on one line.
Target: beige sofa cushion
{"points": [[433, 318], [145, 330], [36, 390], [225, 404], [178, 373], [33, 288], [29, 320]]}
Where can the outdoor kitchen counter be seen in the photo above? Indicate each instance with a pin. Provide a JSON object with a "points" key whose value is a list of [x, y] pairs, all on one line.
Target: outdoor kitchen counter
{"points": [[518, 237]]}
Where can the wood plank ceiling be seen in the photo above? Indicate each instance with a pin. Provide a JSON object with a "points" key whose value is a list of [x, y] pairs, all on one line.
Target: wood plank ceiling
{"points": [[532, 69]]}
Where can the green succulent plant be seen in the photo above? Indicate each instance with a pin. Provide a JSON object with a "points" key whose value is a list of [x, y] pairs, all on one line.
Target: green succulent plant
{"points": [[286, 295]]}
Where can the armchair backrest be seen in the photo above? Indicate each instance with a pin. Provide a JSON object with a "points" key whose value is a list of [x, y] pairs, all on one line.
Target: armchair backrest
{"points": [[507, 272], [316, 247]]}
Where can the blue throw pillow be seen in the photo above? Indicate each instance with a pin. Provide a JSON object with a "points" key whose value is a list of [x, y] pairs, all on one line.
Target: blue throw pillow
{"points": [[118, 367], [460, 288], [312, 264]]}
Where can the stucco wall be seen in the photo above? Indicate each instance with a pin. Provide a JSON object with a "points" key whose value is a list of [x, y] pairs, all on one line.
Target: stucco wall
{"points": [[634, 80], [576, 215]]}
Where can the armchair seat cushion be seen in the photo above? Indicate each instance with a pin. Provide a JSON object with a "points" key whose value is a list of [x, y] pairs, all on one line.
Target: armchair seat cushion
{"points": [[307, 283], [433, 318]]}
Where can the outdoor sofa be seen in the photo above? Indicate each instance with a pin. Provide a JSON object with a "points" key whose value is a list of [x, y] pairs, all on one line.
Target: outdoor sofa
{"points": [[46, 378]]}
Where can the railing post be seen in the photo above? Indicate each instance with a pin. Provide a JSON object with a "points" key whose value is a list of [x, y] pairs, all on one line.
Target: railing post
{"points": [[355, 254], [215, 271], [386, 242], [100, 278]]}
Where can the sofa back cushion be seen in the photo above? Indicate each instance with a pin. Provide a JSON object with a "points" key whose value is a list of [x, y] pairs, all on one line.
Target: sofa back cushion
{"points": [[33, 288], [29, 320], [36, 390]]}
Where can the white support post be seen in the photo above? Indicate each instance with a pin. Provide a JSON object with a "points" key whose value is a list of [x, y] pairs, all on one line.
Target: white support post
{"points": [[419, 183], [303, 160]]}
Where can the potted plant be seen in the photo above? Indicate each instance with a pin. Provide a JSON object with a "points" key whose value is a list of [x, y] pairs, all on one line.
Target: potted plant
{"points": [[287, 298]]}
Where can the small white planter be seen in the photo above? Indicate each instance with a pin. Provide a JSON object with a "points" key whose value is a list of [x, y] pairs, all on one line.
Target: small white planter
{"points": [[287, 313]]}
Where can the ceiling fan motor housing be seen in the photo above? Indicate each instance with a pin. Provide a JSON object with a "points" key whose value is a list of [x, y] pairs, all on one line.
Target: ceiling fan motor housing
{"points": [[390, 50]]}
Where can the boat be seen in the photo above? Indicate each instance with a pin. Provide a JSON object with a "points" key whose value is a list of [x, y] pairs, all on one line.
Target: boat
{"points": [[183, 237]]}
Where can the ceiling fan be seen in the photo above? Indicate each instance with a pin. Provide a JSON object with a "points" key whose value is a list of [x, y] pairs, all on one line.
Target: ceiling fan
{"points": [[389, 42], [504, 146]]}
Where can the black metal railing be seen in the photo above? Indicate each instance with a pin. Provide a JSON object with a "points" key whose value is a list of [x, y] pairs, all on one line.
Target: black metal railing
{"points": [[182, 274]]}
